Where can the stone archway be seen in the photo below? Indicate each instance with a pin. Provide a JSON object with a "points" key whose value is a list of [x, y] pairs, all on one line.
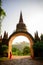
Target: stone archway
{"points": [[14, 35]]}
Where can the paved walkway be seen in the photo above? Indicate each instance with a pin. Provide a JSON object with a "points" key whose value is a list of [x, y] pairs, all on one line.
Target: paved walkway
{"points": [[22, 61]]}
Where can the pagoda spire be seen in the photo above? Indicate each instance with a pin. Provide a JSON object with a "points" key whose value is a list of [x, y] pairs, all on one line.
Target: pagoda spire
{"points": [[21, 18]]}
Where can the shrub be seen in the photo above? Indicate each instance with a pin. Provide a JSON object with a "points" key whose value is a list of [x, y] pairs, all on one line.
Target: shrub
{"points": [[16, 51], [26, 51], [4, 50], [38, 49]]}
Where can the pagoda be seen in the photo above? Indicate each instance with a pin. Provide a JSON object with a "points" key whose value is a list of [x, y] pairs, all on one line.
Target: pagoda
{"points": [[21, 26]]}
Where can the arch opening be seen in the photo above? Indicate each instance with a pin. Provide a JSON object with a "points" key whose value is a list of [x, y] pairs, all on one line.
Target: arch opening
{"points": [[21, 46]]}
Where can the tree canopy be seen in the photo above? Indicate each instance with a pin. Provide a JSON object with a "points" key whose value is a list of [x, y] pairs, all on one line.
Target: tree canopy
{"points": [[2, 12]]}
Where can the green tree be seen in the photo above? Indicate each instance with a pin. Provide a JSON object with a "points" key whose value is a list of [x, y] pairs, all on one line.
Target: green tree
{"points": [[41, 37], [26, 51], [16, 51], [36, 38], [2, 15], [4, 50], [38, 49]]}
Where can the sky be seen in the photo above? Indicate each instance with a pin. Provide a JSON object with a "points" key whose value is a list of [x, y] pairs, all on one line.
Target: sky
{"points": [[32, 12], [20, 39]]}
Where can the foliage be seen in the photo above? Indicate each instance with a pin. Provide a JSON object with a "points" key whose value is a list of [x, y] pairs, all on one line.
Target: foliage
{"points": [[4, 50], [2, 12], [26, 51], [41, 37], [38, 49], [16, 51], [0, 2], [3, 58]]}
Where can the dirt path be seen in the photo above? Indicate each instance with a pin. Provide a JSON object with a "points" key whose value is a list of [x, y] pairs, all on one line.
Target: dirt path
{"points": [[21, 61], [20, 57]]}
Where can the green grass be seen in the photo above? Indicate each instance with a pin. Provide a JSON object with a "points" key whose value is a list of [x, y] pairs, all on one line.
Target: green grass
{"points": [[3, 58]]}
